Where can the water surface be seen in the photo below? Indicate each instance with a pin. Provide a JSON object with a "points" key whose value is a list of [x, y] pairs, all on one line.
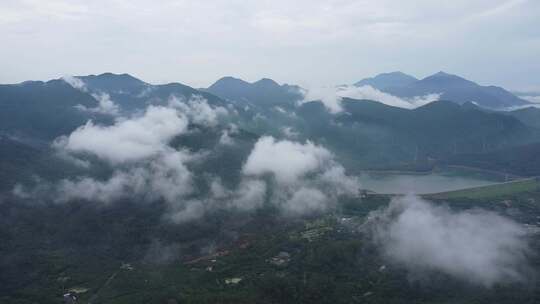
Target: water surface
{"points": [[404, 183]]}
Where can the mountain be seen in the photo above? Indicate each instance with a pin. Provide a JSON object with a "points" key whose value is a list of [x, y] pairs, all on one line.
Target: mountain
{"points": [[385, 80], [45, 110], [372, 134], [132, 93], [263, 92], [114, 83], [529, 116], [367, 133], [42, 110], [22, 159], [523, 160], [450, 87], [187, 223]]}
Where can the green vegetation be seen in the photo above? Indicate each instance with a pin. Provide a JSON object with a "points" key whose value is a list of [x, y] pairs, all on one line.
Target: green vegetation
{"points": [[492, 191], [106, 254], [522, 160], [128, 252], [372, 135]]}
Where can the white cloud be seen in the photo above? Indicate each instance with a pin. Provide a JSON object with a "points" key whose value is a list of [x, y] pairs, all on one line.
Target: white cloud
{"points": [[418, 101], [225, 138], [336, 179], [327, 95], [198, 110], [105, 104], [280, 110], [186, 211], [289, 132], [307, 179], [250, 195], [331, 97], [144, 166], [534, 99], [298, 178], [476, 246], [305, 201], [121, 184], [75, 82], [163, 176], [127, 140], [287, 161]]}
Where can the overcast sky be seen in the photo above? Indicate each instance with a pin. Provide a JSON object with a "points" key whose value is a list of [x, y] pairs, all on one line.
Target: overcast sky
{"points": [[307, 42]]}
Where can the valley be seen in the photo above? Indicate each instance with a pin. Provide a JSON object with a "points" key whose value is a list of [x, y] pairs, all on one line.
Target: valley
{"points": [[248, 192]]}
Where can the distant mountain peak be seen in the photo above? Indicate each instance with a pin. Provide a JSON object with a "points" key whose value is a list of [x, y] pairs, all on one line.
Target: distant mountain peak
{"points": [[261, 82], [227, 82], [447, 79], [237, 82], [443, 74], [392, 79], [229, 78], [108, 76], [396, 73], [113, 76], [266, 82], [264, 91]]}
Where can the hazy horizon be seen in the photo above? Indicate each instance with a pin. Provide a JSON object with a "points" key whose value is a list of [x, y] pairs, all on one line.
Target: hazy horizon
{"points": [[197, 43]]}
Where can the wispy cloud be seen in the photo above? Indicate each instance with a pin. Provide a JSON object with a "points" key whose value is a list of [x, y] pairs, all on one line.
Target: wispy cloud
{"points": [[477, 246], [331, 97], [105, 104], [128, 140], [305, 176]]}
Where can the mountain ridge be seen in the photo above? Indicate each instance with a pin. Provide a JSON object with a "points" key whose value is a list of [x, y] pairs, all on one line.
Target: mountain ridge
{"points": [[264, 91], [451, 87]]}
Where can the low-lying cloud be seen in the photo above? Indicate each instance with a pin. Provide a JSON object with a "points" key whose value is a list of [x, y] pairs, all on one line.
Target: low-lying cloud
{"points": [[105, 105], [137, 148], [477, 246], [226, 138], [198, 110], [138, 151], [127, 140], [304, 177], [164, 176], [289, 132], [297, 178], [75, 82], [287, 160], [331, 97]]}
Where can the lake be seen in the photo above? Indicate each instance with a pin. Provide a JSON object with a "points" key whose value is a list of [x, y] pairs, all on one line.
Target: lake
{"points": [[435, 182]]}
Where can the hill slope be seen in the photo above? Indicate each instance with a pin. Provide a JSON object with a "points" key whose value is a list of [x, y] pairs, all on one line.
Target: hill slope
{"points": [[451, 87], [529, 116], [385, 80], [43, 110], [263, 92], [373, 134]]}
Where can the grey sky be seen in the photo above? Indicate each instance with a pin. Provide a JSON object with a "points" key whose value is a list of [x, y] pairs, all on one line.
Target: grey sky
{"points": [[307, 42]]}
